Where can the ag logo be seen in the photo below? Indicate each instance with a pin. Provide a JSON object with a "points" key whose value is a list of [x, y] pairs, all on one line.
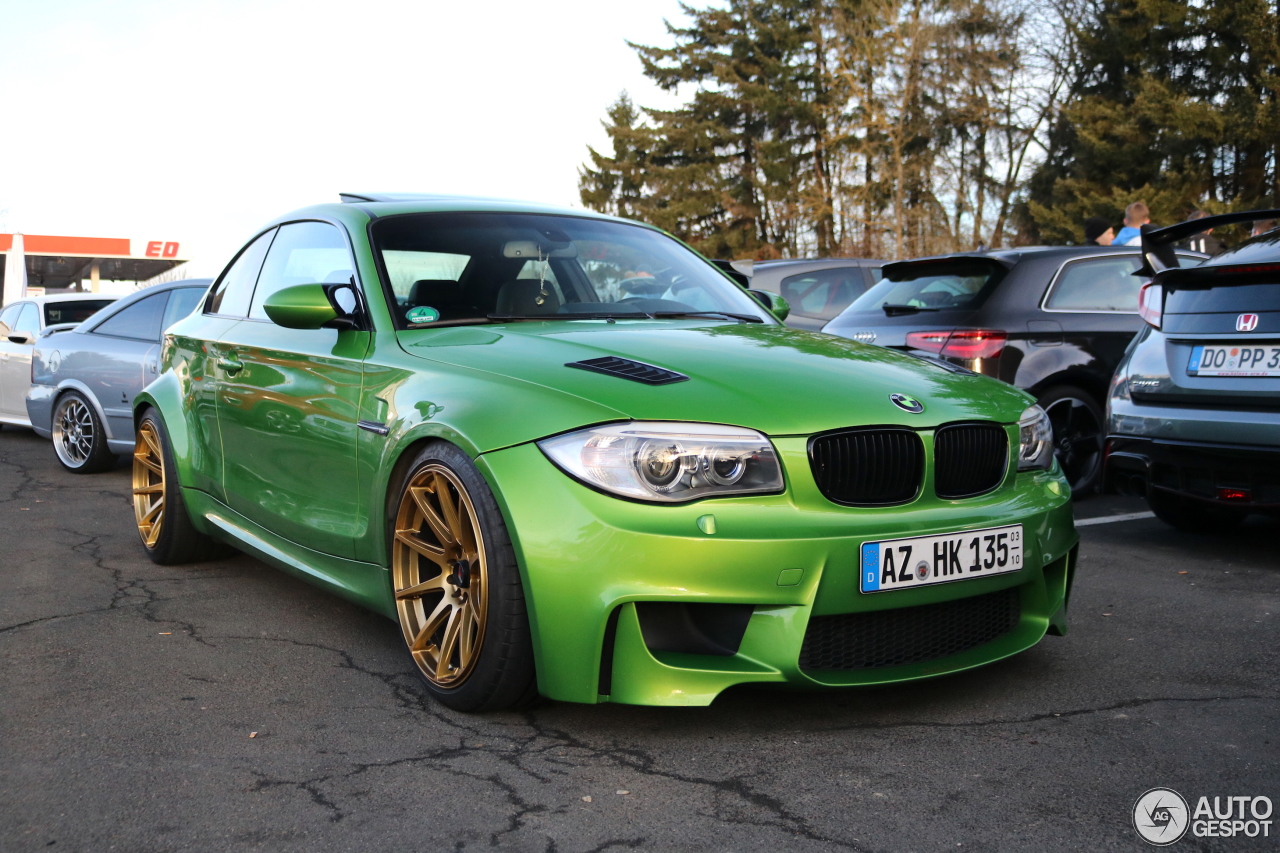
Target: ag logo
{"points": [[1161, 816], [1246, 322], [907, 404]]}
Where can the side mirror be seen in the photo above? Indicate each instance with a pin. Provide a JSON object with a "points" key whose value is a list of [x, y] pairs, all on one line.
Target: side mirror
{"points": [[312, 306], [775, 304], [21, 338]]}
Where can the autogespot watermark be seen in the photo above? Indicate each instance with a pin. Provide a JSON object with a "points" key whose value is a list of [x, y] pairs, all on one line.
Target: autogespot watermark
{"points": [[1162, 817]]}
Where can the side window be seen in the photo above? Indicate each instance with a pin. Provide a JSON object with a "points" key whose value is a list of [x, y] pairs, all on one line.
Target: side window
{"points": [[8, 317], [823, 293], [28, 320], [140, 321], [1097, 284], [303, 253], [182, 301], [232, 292]]}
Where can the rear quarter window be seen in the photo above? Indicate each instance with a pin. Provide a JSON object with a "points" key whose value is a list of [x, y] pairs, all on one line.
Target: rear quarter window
{"points": [[1097, 285]]}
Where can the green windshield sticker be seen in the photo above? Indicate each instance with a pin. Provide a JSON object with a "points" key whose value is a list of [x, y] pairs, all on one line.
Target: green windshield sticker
{"points": [[422, 314]]}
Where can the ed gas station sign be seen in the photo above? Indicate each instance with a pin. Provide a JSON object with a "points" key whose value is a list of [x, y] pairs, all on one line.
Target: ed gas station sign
{"points": [[44, 262]]}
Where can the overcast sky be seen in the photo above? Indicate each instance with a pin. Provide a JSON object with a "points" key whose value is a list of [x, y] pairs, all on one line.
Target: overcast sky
{"points": [[198, 121]]}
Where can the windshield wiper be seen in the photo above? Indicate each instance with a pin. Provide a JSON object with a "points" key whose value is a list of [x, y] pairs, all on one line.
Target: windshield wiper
{"points": [[745, 318], [898, 310]]}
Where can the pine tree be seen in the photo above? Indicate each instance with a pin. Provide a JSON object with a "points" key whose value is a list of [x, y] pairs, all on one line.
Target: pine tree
{"points": [[616, 184], [1171, 103]]}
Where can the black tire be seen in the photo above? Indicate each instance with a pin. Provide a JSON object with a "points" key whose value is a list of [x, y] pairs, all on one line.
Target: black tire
{"points": [[79, 441], [1078, 435], [1191, 515], [483, 584], [176, 540]]}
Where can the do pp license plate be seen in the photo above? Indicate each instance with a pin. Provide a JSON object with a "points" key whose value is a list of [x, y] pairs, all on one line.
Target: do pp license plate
{"points": [[1235, 360], [927, 560]]}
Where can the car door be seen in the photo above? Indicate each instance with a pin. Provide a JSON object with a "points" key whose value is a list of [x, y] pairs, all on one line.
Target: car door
{"points": [[288, 403], [8, 319], [111, 364], [1094, 303], [15, 364]]}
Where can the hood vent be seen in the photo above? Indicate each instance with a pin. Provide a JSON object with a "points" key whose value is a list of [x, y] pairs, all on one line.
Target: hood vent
{"points": [[625, 368]]}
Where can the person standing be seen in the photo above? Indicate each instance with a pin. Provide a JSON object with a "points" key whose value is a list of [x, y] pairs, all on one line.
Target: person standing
{"points": [[1262, 226], [1135, 216], [1205, 242], [1098, 232]]}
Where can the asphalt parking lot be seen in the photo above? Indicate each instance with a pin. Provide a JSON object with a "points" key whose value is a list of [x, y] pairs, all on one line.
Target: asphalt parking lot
{"points": [[227, 706]]}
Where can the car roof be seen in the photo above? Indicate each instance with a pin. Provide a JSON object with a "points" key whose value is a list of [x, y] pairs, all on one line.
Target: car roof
{"points": [[795, 262], [1013, 255], [387, 203], [1263, 248]]}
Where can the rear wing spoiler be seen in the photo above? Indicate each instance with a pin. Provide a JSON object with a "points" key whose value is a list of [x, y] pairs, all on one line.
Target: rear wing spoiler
{"points": [[1158, 244], [911, 269]]}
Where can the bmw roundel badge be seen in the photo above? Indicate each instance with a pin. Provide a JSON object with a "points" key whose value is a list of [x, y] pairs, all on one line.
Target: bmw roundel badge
{"points": [[907, 404]]}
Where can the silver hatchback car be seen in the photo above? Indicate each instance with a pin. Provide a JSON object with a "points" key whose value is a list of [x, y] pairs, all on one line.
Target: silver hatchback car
{"points": [[1193, 419]]}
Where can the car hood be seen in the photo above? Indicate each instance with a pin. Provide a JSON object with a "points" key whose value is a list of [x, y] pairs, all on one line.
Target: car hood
{"points": [[773, 379]]}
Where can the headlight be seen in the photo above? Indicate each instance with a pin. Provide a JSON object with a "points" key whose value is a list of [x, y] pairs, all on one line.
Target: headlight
{"points": [[1035, 439], [668, 462]]}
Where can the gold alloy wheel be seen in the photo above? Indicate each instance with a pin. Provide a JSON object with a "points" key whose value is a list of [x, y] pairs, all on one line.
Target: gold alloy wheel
{"points": [[148, 484], [440, 575]]}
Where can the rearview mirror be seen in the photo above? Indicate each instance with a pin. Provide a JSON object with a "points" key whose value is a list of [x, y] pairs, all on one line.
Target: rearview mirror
{"points": [[21, 338], [533, 249], [312, 306], [775, 304]]}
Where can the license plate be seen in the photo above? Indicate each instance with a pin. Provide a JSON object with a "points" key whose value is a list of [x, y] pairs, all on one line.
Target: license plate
{"points": [[928, 560], [1238, 360]]}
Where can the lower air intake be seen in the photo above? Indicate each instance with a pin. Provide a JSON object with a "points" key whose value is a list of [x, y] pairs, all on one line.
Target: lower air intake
{"points": [[908, 635]]}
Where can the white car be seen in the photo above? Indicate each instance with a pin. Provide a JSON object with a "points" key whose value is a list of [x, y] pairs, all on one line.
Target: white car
{"points": [[21, 322]]}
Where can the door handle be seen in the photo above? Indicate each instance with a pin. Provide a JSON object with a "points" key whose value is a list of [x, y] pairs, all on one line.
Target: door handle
{"points": [[230, 364]]}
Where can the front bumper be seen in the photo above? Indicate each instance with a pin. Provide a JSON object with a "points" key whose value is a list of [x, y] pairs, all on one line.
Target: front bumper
{"points": [[1248, 474], [594, 565]]}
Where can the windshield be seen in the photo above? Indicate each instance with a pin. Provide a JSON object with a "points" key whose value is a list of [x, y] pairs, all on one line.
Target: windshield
{"points": [[456, 267], [935, 287]]}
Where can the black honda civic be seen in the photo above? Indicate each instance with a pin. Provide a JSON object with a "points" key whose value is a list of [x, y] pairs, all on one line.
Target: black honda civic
{"points": [[1054, 321]]}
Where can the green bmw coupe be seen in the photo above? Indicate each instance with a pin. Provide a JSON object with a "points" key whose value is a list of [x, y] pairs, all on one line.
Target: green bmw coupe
{"points": [[572, 458]]}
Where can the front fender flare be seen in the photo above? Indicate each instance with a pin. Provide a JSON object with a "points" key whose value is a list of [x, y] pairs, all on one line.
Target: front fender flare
{"points": [[165, 396]]}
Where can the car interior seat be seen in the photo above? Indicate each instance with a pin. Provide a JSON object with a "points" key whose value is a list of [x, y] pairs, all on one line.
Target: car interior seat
{"points": [[520, 297]]}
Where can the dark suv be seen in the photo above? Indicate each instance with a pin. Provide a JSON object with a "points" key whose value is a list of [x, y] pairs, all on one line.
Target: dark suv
{"points": [[1054, 321], [1194, 415]]}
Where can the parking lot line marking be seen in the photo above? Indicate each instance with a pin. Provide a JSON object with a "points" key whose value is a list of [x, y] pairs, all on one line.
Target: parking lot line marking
{"points": [[1107, 519]]}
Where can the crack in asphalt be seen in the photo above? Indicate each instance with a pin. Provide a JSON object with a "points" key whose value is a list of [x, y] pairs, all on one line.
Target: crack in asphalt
{"points": [[523, 759], [732, 795], [25, 478], [1048, 715]]}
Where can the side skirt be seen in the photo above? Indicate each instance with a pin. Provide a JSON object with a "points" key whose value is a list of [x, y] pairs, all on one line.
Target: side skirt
{"points": [[366, 584]]}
